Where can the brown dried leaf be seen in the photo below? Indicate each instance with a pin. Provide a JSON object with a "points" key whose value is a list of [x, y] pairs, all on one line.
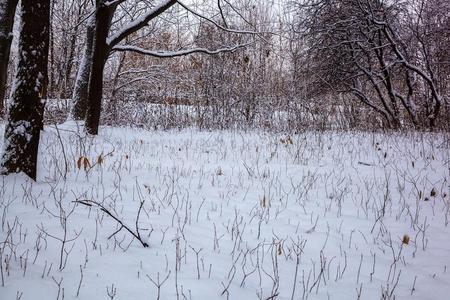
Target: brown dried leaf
{"points": [[100, 160], [86, 164], [406, 239], [264, 201], [79, 161]]}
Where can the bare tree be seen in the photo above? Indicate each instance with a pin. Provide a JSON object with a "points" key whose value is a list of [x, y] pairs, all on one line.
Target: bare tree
{"points": [[101, 48], [22, 132], [107, 41], [358, 47], [68, 18], [427, 29], [80, 90]]}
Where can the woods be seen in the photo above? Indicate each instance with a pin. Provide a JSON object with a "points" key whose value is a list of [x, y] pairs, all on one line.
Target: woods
{"points": [[363, 48], [224, 149], [348, 64]]}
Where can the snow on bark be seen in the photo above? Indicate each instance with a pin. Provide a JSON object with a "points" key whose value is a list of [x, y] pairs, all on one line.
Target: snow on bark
{"points": [[22, 131], [80, 91], [139, 23]]}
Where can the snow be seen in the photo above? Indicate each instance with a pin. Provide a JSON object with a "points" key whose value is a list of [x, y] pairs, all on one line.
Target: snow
{"points": [[138, 22], [22, 128], [168, 54], [255, 203]]}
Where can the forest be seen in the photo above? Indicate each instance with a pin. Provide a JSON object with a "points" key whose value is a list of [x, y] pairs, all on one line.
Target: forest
{"points": [[224, 149]]}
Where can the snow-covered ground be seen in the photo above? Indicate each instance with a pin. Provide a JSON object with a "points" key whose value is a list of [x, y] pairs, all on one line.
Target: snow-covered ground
{"points": [[229, 215]]}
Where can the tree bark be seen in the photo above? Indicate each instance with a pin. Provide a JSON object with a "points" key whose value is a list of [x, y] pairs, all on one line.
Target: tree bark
{"points": [[99, 55], [7, 12], [80, 91], [22, 131]]}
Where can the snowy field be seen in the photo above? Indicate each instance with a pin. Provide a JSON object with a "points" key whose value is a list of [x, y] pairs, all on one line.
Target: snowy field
{"points": [[229, 215]]}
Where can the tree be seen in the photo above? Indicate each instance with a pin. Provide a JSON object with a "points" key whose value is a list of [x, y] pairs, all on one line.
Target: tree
{"points": [[68, 19], [102, 45], [103, 16], [428, 29], [25, 118], [7, 12], [106, 41], [80, 90], [358, 47]]}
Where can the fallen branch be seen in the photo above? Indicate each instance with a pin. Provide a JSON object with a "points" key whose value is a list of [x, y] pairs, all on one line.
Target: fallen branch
{"points": [[136, 234]]}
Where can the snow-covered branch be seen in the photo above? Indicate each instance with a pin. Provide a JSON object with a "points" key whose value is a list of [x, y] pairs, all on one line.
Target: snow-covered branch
{"points": [[113, 2], [139, 23], [168, 54]]}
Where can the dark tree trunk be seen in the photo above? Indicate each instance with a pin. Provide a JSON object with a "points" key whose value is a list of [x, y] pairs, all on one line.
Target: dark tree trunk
{"points": [[100, 53], [65, 93], [80, 91], [7, 12], [22, 131]]}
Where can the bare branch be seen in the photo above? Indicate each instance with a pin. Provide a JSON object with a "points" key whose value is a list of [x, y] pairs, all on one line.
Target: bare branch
{"points": [[218, 25], [139, 23], [168, 54]]}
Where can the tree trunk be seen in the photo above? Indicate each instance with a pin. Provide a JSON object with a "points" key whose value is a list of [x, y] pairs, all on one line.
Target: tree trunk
{"points": [[7, 12], [99, 56], [65, 93], [80, 91], [22, 132], [112, 103]]}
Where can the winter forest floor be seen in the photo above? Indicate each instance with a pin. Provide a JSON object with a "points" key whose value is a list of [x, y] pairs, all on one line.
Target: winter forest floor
{"points": [[229, 215]]}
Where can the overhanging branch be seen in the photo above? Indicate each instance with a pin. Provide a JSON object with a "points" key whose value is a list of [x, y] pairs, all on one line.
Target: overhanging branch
{"points": [[169, 54], [113, 2], [139, 23]]}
